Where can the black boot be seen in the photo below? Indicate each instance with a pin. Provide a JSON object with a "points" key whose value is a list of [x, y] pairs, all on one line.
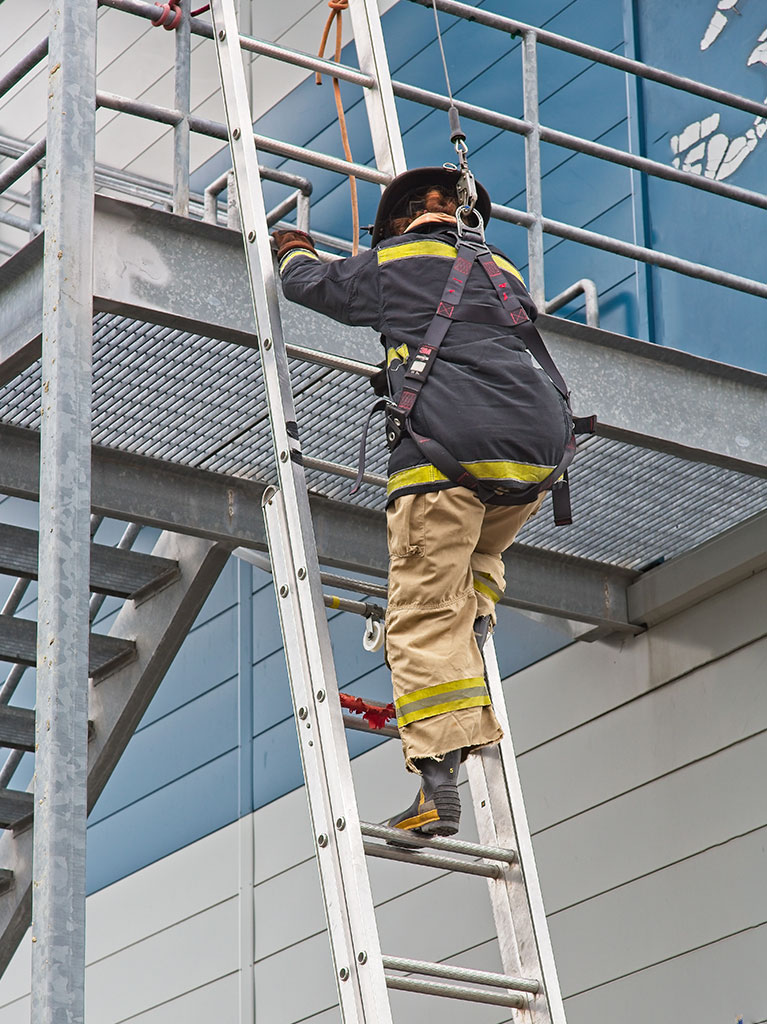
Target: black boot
{"points": [[436, 811]]}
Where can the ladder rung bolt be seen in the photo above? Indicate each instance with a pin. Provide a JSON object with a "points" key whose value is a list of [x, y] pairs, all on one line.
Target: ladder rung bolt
{"points": [[235, 133], [251, 236], [302, 713], [283, 456], [302, 573], [343, 974], [341, 824], [284, 590], [222, 34], [362, 957], [320, 695], [267, 343], [322, 840]]}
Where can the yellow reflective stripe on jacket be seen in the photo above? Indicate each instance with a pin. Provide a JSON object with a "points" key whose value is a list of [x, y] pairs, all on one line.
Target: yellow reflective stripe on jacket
{"points": [[401, 352], [436, 700], [485, 584], [521, 471], [409, 250], [292, 255]]}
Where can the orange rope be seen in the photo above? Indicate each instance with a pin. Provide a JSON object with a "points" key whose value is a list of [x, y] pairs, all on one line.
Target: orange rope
{"points": [[336, 9]]}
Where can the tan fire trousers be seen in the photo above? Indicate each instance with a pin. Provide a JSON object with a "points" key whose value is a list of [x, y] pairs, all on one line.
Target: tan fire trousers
{"points": [[445, 569]]}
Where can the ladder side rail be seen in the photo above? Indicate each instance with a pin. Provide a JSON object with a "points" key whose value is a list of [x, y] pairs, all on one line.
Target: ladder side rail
{"points": [[297, 537], [517, 901], [317, 762], [379, 99]]}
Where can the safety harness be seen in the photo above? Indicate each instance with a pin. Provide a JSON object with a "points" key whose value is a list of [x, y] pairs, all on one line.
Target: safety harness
{"points": [[472, 248]]}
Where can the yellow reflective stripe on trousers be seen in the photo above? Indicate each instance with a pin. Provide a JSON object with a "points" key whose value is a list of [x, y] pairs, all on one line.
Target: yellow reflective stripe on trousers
{"points": [[484, 584], [497, 470], [410, 250], [292, 255], [401, 352], [436, 700]]}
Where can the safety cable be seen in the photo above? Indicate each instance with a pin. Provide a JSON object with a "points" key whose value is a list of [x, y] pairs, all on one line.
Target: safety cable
{"points": [[442, 51], [336, 13]]}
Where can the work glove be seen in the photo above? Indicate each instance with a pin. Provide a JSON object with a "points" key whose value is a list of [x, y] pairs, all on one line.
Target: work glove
{"points": [[378, 381], [284, 241]]}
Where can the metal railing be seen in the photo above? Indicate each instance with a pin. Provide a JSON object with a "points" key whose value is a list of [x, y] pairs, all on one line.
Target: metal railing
{"points": [[183, 122]]}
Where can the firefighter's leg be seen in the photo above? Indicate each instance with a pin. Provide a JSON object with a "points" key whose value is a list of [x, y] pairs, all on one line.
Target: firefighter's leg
{"points": [[440, 694]]}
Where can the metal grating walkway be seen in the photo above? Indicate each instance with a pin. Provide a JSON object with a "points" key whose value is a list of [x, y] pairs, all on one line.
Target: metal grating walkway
{"points": [[193, 400]]}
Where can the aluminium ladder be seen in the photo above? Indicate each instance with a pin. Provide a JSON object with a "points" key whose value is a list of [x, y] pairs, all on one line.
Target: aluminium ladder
{"points": [[530, 983]]}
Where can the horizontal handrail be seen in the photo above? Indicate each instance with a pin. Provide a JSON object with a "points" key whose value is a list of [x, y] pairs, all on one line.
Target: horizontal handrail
{"points": [[259, 46], [579, 145], [613, 60], [634, 252]]}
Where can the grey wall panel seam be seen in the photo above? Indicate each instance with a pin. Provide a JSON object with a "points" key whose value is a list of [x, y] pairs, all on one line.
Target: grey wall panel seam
{"points": [[666, 960], [161, 931], [661, 867], [645, 694], [167, 1002], [641, 785]]}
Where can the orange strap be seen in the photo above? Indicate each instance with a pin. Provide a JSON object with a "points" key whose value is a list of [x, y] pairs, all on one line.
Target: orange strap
{"points": [[336, 12]]}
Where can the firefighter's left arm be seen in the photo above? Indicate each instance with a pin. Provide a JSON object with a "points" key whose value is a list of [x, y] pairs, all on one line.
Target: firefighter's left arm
{"points": [[346, 290]]}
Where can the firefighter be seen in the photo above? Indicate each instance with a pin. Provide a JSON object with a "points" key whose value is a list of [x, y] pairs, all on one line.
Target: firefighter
{"points": [[488, 407]]}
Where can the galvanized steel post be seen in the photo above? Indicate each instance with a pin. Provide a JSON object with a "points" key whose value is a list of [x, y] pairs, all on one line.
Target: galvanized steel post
{"points": [[533, 169], [61, 723], [181, 132]]}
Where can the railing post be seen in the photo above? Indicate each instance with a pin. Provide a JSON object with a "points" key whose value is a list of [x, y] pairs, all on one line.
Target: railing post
{"points": [[61, 720], [35, 199], [181, 134], [533, 169]]}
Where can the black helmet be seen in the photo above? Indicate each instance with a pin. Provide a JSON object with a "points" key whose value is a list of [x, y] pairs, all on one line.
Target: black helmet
{"points": [[404, 185]]}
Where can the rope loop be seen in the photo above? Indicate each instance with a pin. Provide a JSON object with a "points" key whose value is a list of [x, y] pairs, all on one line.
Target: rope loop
{"points": [[169, 16]]}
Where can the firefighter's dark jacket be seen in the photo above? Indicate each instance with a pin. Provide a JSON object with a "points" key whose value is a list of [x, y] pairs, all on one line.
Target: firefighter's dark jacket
{"points": [[485, 400]]}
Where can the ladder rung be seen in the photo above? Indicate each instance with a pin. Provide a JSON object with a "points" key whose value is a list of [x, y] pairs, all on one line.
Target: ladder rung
{"points": [[360, 725], [433, 860], [401, 838], [398, 963], [439, 988]]}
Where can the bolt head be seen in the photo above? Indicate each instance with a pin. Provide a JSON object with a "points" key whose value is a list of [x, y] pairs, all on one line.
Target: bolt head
{"points": [[320, 695], [236, 133], [222, 34], [340, 824], [362, 957], [302, 573], [322, 840], [251, 236], [302, 713], [343, 974], [283, 456], [267, 343], [284, 590]]}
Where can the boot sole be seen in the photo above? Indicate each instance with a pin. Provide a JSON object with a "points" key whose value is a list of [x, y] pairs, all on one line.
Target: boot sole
{"points": [[448, 804]]}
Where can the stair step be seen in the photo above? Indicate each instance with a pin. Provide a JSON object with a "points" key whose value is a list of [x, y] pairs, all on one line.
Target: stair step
{"points": [[113, 571], [18, 643], [17, 728], [15, 807]]}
